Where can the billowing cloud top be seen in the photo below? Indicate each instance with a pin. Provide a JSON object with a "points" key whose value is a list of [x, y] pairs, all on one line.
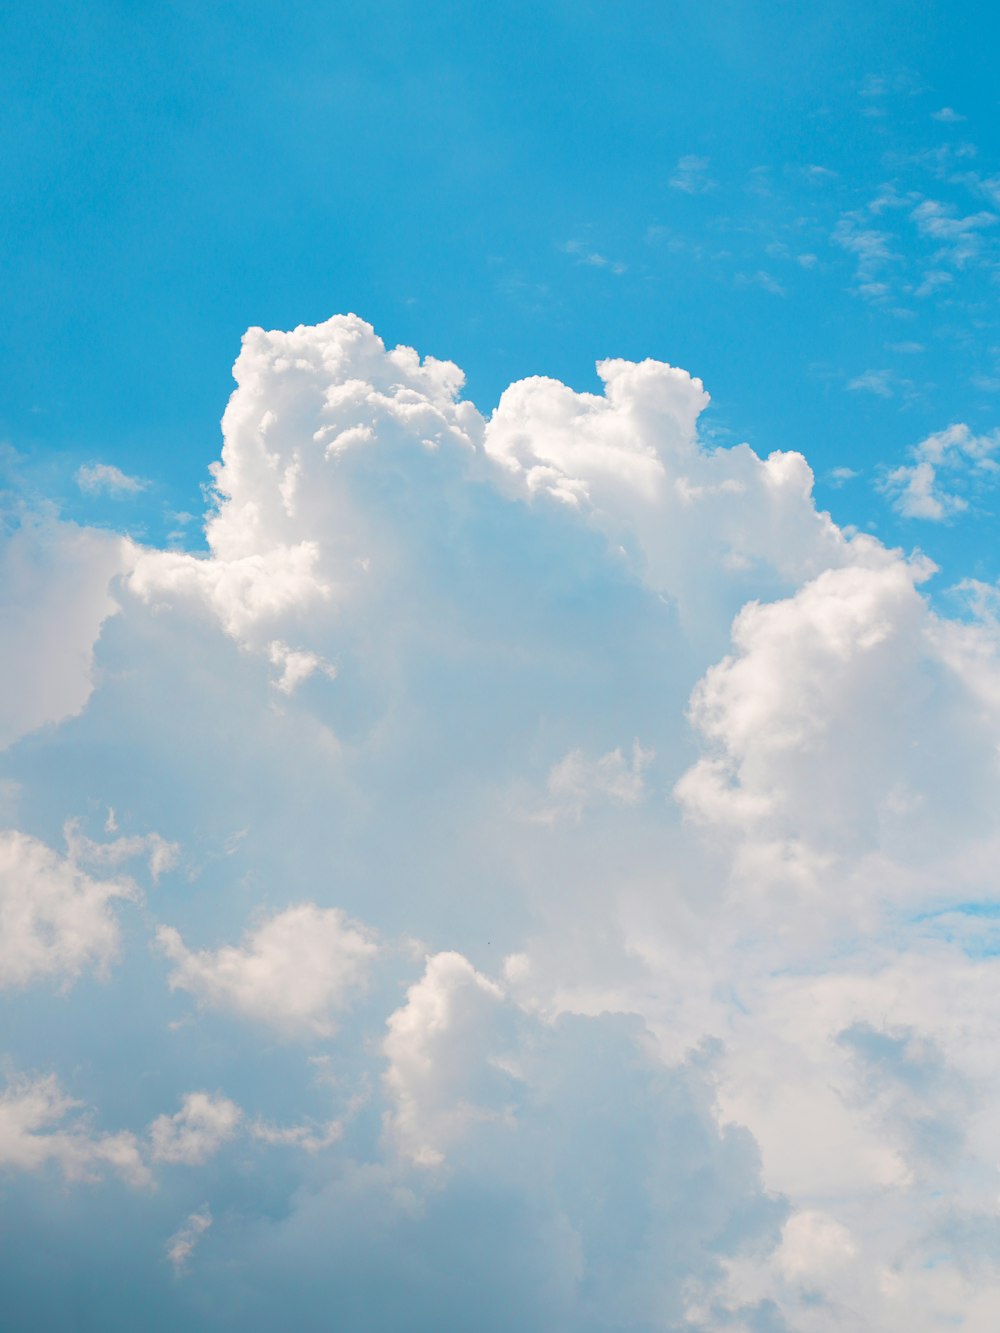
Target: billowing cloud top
{"points": [[533, 872]]}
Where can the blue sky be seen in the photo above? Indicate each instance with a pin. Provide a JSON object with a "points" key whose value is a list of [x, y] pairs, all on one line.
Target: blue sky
{"points": [[488, 837]]}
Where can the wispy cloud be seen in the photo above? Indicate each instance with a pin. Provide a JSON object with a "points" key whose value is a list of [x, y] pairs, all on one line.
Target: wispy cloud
{"points": [[582, 253], [691, 175], [106, 479], [870, 246], [878, 382], [182, 1243], [962, 242], [932, 281], [840, 476], [762, 279]]}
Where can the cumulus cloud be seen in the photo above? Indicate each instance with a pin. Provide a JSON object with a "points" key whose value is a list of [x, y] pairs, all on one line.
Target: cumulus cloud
{"points": [[326, 421], [836, 717], [56, 920], [39, 1124], [196, 1132], [700, 1040], [296, 666], [286, 535], [292, 972], [442, 1075], [916, 488], [632, 463], [480, 1086]]}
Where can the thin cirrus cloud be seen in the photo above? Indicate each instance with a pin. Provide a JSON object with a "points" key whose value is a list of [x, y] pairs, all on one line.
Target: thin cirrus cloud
{"points": [[619, 862]]}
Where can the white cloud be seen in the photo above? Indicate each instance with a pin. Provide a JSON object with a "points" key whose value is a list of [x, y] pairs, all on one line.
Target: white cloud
{"points": [[917, 494], [242, 591], [823, 719], [811, 955], [580, 1117], [159, 854], [292, 972], [55, 594], [632, 463], [960, 235], [55, 920], [296, 666], [183, 1242], [916, 488], [443, 1075], [300, 555], [288, 535], [196, 1132], [311, 1138], [105, 478], [39, 1125], [576, 782]]}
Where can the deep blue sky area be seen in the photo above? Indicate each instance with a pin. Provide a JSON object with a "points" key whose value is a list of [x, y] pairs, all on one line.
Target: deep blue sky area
{"points": [[522, 189]]}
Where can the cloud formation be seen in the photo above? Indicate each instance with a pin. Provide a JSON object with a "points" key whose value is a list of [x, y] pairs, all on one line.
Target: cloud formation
{"points": [[182, 1243], [292, 971], [916, 487], [196, 1132], [617, 838], [56, 920], [56, 582], [39, 1124], [98, 478]]}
